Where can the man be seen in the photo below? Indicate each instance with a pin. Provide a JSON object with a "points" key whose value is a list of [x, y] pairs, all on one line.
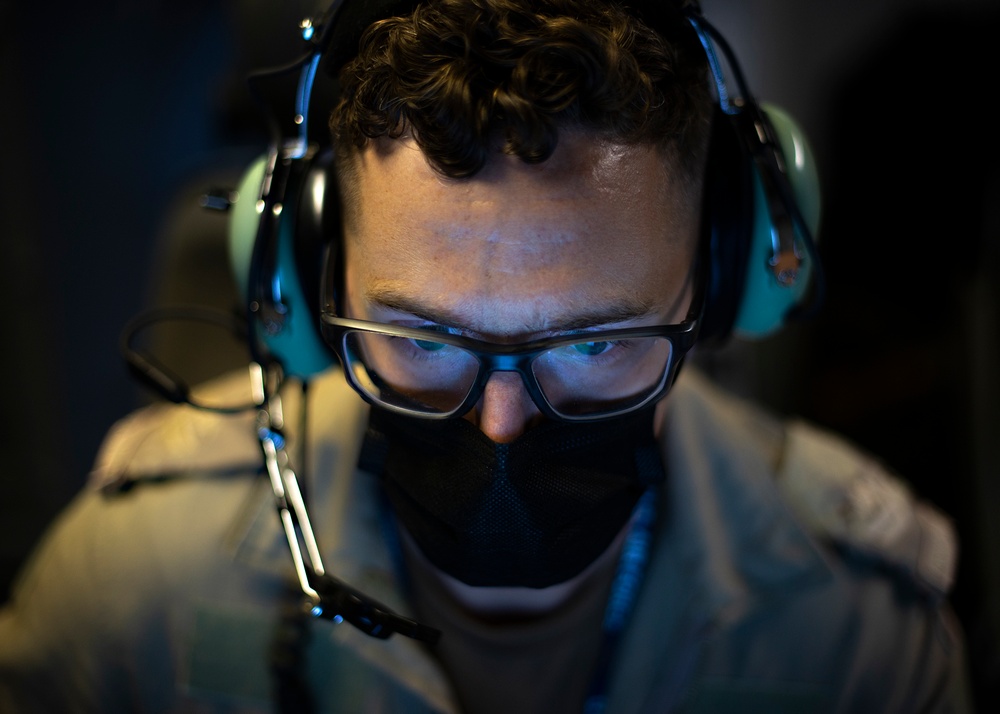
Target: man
{"points": [[522, 267]]}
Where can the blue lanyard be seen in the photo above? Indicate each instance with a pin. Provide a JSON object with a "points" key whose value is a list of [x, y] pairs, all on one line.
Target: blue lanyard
{"points": [[624, 593]]}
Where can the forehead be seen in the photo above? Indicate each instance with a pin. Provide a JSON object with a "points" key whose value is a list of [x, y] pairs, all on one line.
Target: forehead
{"points": [[519, 247]]}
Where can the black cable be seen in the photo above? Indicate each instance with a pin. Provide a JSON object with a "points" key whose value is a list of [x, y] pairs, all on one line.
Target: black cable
{"points": [[161, 379]]}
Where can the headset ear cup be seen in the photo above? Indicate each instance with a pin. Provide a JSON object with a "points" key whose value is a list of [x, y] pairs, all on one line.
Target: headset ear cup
{"points": [[317, 234], [765, 304], [727, 210], [297, 345]]}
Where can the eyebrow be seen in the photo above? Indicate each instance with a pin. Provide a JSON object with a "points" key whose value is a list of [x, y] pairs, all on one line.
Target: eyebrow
{"points": [[623, 310]]}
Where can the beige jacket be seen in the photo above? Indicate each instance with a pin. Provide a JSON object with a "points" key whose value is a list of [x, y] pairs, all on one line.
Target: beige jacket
{"points": [[790, 574]]}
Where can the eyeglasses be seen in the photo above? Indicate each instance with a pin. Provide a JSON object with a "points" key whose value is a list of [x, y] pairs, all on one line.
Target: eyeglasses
{"points": [[431, 373]]}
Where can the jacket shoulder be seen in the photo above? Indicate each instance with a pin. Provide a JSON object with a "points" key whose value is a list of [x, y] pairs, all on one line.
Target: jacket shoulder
{"points": [[163, 440], [839, 494], [845, 496], [166, 441]]}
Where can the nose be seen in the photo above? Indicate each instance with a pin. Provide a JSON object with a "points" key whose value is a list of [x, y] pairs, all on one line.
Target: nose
{"points": [[506, 409]]}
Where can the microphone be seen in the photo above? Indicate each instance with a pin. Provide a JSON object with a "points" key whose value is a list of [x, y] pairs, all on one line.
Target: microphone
{"points": [[340, 601]]}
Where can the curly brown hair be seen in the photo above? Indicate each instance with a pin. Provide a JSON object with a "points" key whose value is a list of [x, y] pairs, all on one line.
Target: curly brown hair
{"points": [[465, 77]]}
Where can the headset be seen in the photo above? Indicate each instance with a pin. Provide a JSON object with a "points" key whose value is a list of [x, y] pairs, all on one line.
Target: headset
{"points": [[759, 217], [760, 213]]}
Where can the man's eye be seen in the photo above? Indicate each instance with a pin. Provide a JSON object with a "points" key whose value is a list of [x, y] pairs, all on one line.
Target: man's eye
{"points": [[432, 345], [429, 346], [590, 349]]}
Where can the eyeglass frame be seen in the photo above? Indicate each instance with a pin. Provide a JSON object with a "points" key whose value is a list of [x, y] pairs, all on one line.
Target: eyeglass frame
{"points": [[518, 357]]}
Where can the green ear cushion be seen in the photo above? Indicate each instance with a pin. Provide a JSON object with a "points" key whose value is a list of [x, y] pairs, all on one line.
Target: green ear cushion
{"points": [[298, 346], [243, 220], [765, 303]]}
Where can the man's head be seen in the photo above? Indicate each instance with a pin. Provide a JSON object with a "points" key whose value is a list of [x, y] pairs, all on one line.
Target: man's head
{"points": [[521, 190], [514, 169]]}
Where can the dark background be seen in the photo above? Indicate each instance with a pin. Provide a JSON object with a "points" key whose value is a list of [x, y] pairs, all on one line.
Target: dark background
{"points": [[115, 117]]}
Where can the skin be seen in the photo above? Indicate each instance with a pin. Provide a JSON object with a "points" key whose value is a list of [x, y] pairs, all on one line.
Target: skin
{"points": [[599, 236]]}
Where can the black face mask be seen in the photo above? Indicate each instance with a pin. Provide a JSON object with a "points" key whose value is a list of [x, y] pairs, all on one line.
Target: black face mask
{"points": [[531, 513]]}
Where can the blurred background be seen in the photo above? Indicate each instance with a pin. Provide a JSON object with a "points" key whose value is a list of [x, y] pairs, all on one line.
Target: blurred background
{"points": [[119, 115]]}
